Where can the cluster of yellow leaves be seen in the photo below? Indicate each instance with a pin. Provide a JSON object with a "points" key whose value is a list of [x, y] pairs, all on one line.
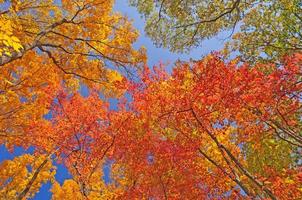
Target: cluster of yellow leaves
{"points": [[16, 174], [111, 86], [94, 190], [8, 41]]}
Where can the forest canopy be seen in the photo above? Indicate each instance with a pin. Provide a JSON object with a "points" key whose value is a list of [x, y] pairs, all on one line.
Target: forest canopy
{"points": [[225, 126]]}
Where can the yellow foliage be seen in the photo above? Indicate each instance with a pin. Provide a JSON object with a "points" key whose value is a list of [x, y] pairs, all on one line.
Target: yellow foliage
{"points": [[94, 189], [8, 41], [69, 190], [114, 76], [16, 174], [48, 46]]}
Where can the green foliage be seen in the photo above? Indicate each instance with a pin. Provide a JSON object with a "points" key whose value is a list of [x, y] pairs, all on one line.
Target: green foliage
{"points": [[180, 25], [269, 153], [268, 29]]}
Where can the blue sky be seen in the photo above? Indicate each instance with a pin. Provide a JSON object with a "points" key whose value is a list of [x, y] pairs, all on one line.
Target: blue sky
{"points": [[155, 55]]}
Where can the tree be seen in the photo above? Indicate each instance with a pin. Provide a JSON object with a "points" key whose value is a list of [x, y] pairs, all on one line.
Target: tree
{"points": [[268, 29], [46, 44], [81, 135], [211, 109], [193, 134]]}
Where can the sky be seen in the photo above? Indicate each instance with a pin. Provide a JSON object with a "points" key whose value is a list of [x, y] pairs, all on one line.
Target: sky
{"points": [[155, 56]]}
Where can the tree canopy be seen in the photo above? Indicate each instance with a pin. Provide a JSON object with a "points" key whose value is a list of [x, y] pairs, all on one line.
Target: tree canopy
{"points": [[213, 128], [266, 29]]}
